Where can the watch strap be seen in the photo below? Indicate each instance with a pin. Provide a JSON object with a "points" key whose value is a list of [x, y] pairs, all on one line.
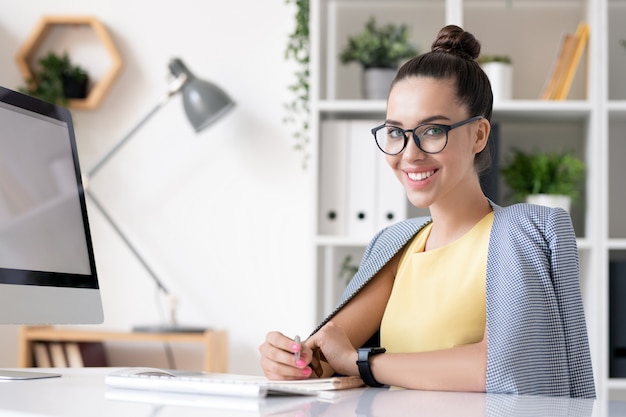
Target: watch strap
{"points": [[365, 369]]}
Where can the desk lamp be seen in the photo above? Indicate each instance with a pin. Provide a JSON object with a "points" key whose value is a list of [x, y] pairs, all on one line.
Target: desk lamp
{"points": [[204, 104]]}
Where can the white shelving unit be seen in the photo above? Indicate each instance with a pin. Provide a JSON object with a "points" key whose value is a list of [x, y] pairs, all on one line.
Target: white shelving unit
{"points": [[592, 121]]}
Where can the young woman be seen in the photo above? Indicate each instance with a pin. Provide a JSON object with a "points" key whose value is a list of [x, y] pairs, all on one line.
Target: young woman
{"points": [[475, 297]]}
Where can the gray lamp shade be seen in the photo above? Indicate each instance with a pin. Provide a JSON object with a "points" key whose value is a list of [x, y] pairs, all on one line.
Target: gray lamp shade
{"points": [[204, 101]]}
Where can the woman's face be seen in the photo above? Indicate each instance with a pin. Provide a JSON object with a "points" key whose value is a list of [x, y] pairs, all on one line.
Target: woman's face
{"points": [[446, 176]]}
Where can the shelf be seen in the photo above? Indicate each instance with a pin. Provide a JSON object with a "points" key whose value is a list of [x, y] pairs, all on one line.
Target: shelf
{"points": [[513, 109], [352, 106], [617, 244], [617, 109], [30, 49], [543, 109], [617, 383], [215, 342], [340, 241]]}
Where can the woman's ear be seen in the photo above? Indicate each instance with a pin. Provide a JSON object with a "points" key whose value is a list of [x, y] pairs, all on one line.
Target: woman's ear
{"points": [[483, 127]]}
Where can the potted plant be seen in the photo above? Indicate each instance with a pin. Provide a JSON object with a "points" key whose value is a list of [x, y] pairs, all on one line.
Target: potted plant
{"points": [[379, 50], [57, 80], [499, 69], [551, 179]]}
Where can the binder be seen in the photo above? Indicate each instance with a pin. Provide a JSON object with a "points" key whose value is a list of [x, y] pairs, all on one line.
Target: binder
{"points": [[391, 200], [332, 177], [358, 192], [362, 172]]}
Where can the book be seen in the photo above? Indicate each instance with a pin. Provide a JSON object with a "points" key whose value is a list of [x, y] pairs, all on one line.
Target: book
{"points": [[558, 67], [566, 63], [575, 52], [73, 355], [41, 355], [69, 354], [57, 354]]}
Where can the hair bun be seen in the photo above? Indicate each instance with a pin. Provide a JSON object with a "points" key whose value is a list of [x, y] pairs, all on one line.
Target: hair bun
{"points": [[454, 40]]}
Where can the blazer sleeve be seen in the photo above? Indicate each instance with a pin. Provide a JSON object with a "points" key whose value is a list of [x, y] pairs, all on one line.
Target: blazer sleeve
{"points": [[383, 246], [537, 337]]}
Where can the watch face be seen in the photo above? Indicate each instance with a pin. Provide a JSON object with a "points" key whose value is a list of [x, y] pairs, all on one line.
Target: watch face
{"points": [[364, 353]]}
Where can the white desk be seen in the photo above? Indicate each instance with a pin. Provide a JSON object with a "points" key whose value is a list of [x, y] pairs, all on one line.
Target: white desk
{"points": [[81, 393]]}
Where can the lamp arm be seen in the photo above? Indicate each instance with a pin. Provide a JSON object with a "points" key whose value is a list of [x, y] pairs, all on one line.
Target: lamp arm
{"points": [[174, 87], [94, 170], [127, 242]]}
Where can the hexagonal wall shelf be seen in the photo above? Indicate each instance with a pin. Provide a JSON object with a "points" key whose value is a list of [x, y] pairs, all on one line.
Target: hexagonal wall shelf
{"points": [[100, 88]]}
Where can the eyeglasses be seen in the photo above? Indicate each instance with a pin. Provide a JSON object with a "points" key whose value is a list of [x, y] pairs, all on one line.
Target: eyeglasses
{"points": [[430, 137]]}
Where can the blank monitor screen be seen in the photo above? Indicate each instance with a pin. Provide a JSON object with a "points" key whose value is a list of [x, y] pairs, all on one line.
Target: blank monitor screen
{"points": [[47, 266]]}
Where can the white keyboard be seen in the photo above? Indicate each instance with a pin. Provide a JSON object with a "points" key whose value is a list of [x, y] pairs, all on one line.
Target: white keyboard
{"points": [[153, 379]]}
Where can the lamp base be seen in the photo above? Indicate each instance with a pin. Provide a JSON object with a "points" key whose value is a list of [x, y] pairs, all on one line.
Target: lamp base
{"points": [[164, 328]]}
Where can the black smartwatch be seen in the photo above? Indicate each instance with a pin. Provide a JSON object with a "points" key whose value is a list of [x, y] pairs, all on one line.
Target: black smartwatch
{"points": [[363, 362]]}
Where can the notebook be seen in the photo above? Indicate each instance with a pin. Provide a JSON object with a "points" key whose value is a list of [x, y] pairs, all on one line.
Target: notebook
{"points": [[159, 380]]}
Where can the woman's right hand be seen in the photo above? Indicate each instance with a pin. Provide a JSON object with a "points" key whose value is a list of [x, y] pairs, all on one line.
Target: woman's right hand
{"points": [[278, 358]]}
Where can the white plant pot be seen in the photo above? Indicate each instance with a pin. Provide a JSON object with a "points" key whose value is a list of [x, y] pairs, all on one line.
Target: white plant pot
{"points": [[501, 78], [376, 82], [550, 200]]}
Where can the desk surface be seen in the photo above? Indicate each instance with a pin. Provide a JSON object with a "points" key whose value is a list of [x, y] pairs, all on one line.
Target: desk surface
{"points": [[81, 392]]}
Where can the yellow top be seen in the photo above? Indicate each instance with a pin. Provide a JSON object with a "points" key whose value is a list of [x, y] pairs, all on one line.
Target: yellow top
{"points": [[438, 300]]}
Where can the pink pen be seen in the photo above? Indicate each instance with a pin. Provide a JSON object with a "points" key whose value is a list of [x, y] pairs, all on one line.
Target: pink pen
{"points": [[296, 341]]}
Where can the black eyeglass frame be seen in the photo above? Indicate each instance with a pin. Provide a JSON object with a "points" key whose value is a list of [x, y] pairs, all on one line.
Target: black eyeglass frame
{"points": [[416, 139]]}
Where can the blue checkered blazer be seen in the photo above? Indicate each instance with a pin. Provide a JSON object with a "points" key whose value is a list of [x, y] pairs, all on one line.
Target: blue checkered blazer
{"points": [[537, 337]]}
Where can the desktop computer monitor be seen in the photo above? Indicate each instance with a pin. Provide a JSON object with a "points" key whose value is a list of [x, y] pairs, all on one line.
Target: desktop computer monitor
{"points": [[47, 267]]}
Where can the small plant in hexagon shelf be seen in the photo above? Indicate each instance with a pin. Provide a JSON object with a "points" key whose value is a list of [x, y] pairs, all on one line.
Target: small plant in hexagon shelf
{"points": [[56, 80]]}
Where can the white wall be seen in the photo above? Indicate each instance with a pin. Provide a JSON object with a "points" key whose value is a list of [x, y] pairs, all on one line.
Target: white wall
{"points": [[223, 216]]}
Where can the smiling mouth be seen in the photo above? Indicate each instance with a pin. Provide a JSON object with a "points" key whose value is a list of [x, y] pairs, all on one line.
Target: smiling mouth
{"points": [[420, 176]]}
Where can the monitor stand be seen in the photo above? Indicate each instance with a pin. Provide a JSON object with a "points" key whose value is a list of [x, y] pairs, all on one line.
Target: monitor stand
{"points": [[6, 375]]}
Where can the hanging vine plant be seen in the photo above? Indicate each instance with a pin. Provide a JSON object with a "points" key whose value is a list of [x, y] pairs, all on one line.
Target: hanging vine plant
{"points": [[298, 110]]}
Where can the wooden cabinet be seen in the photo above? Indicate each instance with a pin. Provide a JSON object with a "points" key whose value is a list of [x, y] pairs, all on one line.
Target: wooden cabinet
{"points": [[214, 343]]}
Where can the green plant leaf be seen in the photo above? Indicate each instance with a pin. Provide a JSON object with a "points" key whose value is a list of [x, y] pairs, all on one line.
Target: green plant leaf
{"points": [[379, 47], [298, 51], [47, 81], [543, 173]]}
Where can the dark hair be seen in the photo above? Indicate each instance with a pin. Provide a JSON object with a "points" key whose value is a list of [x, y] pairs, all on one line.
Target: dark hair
{"points": [[452, 56]]}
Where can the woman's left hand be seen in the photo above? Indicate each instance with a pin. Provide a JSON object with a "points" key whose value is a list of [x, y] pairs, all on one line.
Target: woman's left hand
{"points": [[335, 348]]}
